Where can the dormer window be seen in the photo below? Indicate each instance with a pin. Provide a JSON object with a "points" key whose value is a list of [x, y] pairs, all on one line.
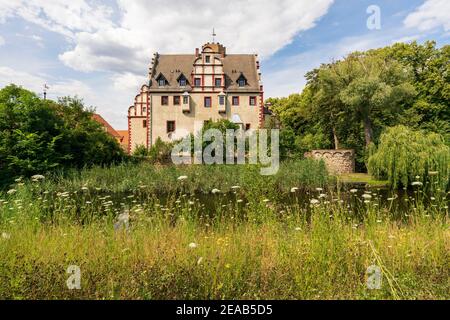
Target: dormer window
{"points": [[242, 82], [182, 81], [161, 81], [208, 59]]}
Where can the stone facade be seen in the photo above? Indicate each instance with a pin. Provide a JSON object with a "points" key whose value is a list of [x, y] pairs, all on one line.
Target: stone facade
{"points": [[337, 161], [186, 90]]}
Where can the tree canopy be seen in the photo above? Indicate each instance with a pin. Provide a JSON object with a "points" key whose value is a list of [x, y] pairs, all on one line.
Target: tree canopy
{"points": [[38, 136]]}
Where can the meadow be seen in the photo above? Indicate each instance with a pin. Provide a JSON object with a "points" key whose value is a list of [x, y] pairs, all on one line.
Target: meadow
{"points": [[139, 231]]}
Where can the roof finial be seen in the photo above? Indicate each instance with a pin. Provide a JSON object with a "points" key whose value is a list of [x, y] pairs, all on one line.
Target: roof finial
{"points": [[214, 36]]}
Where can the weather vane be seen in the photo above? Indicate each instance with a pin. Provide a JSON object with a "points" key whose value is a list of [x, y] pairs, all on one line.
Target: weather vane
{"points": [[214, 35]]}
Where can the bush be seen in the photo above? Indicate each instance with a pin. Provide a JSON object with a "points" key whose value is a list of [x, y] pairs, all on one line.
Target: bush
{"points": [[404, 154], [38, 136]]}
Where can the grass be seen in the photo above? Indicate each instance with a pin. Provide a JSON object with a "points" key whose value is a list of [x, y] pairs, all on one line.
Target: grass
{"points": [[249, 243], [362, 178]]}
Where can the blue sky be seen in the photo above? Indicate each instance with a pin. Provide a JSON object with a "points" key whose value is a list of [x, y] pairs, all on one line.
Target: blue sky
{"points": [[101, 50]]}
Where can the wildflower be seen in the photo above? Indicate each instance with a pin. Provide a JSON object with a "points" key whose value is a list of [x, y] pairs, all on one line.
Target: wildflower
{"points": [[6, 235], [417, 183], [319, 189], [390, 199], [433, 173], [18, 179], [214, 191], [240, 201], [228, 266], [294, 189], [433, 198], [181, 178], [298, 229], [417, 177], [322, 195], [314, 201], [354, 190], [199, 261], [193, 245], [366, 201], [367, 196], [38, 177], [266, 200], [85, 188], [235, 187], [12, 191], [191, 203]]}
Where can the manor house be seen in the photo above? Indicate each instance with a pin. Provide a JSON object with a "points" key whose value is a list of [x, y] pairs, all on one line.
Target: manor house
{"points": [[186, 90]]}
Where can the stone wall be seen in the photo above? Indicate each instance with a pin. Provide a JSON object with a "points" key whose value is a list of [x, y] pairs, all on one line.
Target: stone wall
{"points": [[337, 161]]}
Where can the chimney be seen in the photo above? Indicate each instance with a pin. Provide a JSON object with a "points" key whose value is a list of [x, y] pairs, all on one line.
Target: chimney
{"points": [[197, 52]]}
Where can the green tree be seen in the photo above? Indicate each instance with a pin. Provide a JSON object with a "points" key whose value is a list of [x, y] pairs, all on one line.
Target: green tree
{"points": [[38, 136], [404, 154]]}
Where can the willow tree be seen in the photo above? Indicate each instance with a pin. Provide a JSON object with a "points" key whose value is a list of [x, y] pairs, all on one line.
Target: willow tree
{"points": [[404, 154]]}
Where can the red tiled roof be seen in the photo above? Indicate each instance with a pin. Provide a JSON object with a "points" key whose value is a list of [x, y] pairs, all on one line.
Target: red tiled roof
{"points": [[106, 125]]}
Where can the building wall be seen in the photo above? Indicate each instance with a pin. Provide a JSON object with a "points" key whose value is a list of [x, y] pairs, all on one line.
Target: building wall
{"points": [[186, 123], [337, 161]]}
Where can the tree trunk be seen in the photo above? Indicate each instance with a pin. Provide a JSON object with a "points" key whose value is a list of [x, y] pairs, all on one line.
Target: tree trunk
{"points": [[368, 132], [336, 139]]}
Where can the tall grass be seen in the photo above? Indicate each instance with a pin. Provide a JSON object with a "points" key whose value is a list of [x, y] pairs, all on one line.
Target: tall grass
{"points": [[249, 244]]}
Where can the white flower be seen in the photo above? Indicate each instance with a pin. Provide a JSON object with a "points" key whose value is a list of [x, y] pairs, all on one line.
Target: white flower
{"points": [[433, 173], [354, 190], [266, 200], [214, 191], [191, 203], [235, 187], [314, 201], [6, 235], [298, 229], [181, 178], [12, 191], [85, 188], [390, 199], [417, 177], [240, 201], [417, 183], [193, 245], [18, 179], [319, 189], [322, 195], [367, 196], [38, 177], [294, 189]]}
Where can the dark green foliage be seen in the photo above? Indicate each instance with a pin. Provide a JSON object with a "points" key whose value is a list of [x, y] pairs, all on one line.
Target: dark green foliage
{"points": [[38, 136], [349, 103]]}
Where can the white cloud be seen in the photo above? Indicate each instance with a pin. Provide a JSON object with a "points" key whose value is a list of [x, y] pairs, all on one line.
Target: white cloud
{"points": [[129, 82], [431, 15], [262, 26], [64, 17], [35, 83], [2, 41]]}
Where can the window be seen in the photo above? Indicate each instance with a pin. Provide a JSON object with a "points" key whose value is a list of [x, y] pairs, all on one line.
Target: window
{"points": [[253, 101], [182, 82], [185, 99], [162, 82], [235, 101], [247, 126], [144, 109], [207, 102], [221, 100], [207, 59], [218, 82], [241, 82], [176, 100], [144, 123], [170, 126], [165, 100], [198, 82]]}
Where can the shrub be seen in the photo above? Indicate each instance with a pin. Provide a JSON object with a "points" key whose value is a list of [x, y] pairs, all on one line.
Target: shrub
{"points": [[404, 154]]}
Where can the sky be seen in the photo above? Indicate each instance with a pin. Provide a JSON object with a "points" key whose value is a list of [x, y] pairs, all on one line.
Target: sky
{"points": [[101, 50]]}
